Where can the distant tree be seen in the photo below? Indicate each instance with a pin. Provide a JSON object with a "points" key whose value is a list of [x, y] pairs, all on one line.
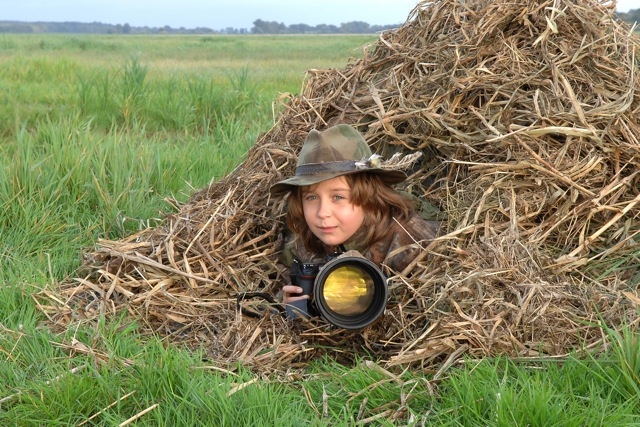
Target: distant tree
{"points": [[300, 29], [126, 29], [203, 30], [268, 27], [259, 26], [15, 27], [326, 29], [355, 27], [630, 17]]}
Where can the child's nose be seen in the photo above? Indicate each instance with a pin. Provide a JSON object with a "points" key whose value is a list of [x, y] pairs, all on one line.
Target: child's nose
{"points": [[324, 209]]}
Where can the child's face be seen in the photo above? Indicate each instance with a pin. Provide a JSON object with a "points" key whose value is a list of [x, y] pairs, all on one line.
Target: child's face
{"points": [[329, 212]]}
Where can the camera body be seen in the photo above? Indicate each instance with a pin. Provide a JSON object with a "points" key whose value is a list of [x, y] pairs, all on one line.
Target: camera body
{"points": [[304, 275], [347, 290]]}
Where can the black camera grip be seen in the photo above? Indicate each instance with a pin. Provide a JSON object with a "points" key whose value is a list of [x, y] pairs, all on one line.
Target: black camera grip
{"points": [[303, 276]]}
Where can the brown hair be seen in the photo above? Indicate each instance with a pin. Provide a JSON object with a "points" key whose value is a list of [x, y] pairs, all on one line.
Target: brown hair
{"points": [[380, 203]]}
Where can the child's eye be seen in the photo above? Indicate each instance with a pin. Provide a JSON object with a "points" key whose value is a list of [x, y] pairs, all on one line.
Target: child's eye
{"points": [[339, 197], [310, 197]]}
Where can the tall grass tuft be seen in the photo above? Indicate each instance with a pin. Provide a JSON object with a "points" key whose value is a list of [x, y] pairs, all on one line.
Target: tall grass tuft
{"points": [[501, 392], [130, 99], [621, 367]]}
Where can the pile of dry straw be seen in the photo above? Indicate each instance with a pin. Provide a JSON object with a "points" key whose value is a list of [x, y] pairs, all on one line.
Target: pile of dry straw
{"points": [[527, 113]]}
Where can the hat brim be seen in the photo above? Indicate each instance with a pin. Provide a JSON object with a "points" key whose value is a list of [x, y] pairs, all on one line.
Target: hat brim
{"points": [[388, 176]]}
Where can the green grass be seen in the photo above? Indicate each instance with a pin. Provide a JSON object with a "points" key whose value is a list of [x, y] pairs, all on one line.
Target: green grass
{"points": [[503, 393], [97, 134], [161, 81]]}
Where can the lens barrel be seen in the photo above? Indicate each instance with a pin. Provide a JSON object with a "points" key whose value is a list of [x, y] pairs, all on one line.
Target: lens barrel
{"points": [[350, 292]]}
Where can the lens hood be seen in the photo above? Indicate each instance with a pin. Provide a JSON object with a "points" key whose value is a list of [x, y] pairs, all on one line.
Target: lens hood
{"points": [[353, 303]]}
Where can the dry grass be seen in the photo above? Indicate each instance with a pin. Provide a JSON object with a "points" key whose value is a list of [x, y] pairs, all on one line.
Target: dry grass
{"points": [[527, 115]]}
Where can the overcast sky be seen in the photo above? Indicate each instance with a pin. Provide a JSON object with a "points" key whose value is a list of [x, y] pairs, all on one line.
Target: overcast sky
{"points": [[218, 14]]}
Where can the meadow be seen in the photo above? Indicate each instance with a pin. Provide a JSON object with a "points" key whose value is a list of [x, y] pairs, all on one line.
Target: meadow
{"points": [[99, 135]]}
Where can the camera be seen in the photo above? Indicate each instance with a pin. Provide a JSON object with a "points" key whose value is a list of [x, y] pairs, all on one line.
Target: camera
{"points": [[347, 290]]}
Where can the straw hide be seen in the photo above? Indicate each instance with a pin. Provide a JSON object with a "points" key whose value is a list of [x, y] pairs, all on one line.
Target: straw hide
{"points": [[526, 115]]}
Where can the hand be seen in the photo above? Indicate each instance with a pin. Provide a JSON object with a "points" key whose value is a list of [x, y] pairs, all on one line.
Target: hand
{"points": [[292, 293]]}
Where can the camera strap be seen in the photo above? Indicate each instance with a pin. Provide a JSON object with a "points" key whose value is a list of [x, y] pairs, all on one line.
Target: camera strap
{"points": [[272, 305]]}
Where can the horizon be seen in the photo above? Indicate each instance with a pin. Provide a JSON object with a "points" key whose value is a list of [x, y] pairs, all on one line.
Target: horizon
{"points": [[224, 14]]}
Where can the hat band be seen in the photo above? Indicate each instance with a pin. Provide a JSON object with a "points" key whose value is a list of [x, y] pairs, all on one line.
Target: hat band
{"points": [[316, 168]]}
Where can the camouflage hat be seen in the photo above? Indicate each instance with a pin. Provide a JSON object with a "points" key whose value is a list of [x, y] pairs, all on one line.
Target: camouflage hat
{"points": [[338, 150]]}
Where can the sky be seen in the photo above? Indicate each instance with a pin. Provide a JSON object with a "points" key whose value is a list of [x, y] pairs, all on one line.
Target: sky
{"points": [[218, 14]]}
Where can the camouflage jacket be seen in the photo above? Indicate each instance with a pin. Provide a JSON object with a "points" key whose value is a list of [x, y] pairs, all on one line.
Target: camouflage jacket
{"points": [[405, 240]]}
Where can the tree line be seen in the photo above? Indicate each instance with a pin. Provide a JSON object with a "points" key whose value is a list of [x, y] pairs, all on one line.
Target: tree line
{"points": [[259, 27], [630, 17], [353, 27]]}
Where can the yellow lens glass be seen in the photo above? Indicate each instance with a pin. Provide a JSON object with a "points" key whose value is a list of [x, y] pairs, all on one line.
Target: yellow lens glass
{"points": [[348, 290]]}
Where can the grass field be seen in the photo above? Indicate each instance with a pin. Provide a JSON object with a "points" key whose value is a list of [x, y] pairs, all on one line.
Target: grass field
{"points": [[98, 136]]}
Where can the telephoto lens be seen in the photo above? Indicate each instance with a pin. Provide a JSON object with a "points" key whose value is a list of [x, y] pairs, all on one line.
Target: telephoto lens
{"points": [[348, 291]]}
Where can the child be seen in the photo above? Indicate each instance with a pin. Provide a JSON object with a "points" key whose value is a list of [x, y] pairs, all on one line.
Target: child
{"points": [[340, 199]]}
